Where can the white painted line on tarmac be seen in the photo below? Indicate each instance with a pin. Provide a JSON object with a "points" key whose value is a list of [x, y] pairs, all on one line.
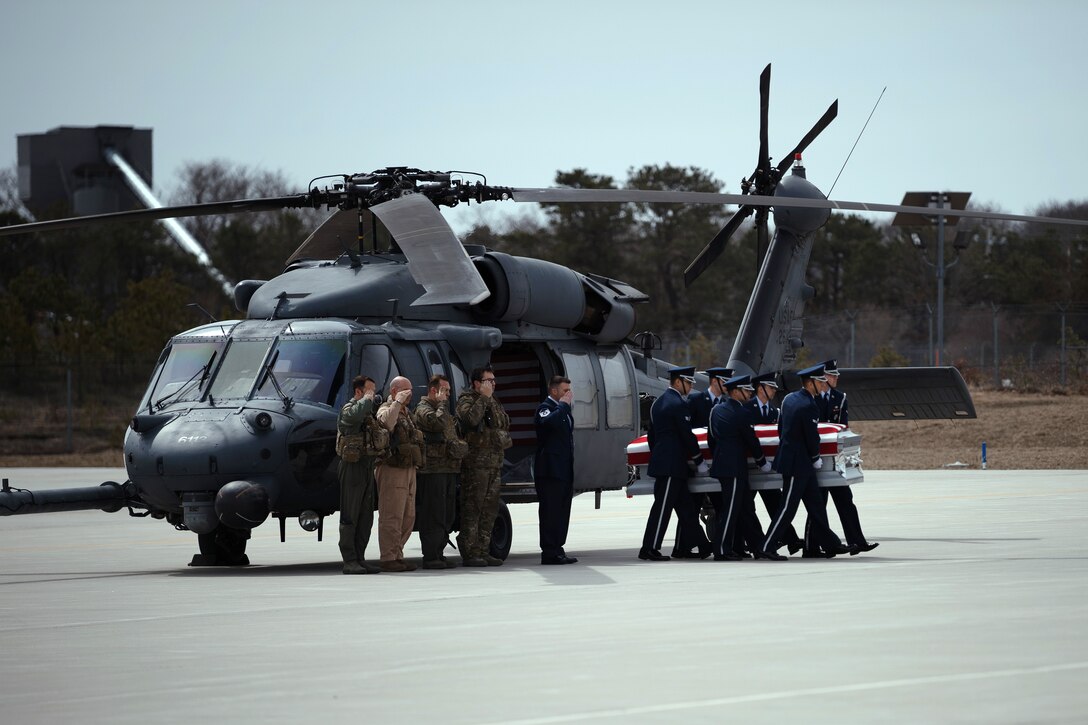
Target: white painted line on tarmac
{"points": [[786, 694]]}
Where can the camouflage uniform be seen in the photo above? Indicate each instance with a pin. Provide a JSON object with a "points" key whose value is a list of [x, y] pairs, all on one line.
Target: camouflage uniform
{"points": [[485, 426], [396, 486], [356, 485], [436, 488]]}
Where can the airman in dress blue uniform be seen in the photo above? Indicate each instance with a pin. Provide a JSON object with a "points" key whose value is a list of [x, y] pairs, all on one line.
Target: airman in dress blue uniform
{"points": [[674, 455], [696, 544], [798, 460], [553, 470], [764, 411], [734, 441], [833, 409]]}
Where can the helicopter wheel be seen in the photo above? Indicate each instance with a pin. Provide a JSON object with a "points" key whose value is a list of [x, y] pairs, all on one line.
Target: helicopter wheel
{"points": [[223, 547], [502, 533]]}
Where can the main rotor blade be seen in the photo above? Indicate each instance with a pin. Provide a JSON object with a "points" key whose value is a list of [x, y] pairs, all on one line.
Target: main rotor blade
{"points": [[824, 122], [641, 196], [331, 238], [166, 212], [716, 246], [436, 258], [764, 108]]}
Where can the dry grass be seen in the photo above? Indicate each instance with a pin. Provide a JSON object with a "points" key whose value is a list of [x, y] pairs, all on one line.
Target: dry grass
{"points": [[1020, 430]]}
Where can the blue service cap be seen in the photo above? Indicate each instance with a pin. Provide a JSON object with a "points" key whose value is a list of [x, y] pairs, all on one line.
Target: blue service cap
{"points": [[769, 379], [744, 382], [816, 372], [723, 373], [831, 367], [688, 373]]}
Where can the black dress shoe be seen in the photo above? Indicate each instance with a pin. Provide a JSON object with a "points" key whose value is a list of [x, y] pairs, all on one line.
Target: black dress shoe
{"points": [[686, 555], [795, 546], [652, 555], [867, 546], [814, 554], [569, 559], [552, 560], [731, 556], [836, 550], [770, 556]]}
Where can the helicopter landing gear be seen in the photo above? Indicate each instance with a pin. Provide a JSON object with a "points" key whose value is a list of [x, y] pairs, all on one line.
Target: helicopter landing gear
{"points": [[223, 547], [502, 533]]}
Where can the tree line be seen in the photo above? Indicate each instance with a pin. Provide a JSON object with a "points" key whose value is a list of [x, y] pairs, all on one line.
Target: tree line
{"points": [[118, 292]]}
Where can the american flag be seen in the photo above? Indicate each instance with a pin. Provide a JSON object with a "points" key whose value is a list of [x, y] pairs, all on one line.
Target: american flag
{"points": [[520, 390], [638, 450]]}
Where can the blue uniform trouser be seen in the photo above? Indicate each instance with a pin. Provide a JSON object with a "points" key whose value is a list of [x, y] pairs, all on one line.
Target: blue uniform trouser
{"points": [[554, 496], [848, 514], [796, 489], [666, 498]]}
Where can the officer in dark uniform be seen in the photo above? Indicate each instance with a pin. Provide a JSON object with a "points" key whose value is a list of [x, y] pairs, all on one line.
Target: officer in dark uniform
{"points": [[833, 409], [798, 460], [734, 441], [695, 544], [674, 455], [553, 470], [764, 411]]}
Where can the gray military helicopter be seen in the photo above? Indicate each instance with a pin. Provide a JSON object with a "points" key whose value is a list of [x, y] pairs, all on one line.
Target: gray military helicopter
{"points": [[238, 421]]}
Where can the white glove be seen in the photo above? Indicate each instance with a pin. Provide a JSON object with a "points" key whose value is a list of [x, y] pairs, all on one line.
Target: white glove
{"points": [[703, 469], [817, 464], [765, 468]]}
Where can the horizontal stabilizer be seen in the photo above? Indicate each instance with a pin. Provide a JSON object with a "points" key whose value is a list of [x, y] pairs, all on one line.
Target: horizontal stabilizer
{"points": [[906, 394]]}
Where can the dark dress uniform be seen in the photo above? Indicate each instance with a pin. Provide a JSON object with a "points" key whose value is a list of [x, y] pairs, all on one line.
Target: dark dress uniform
{"points": [[798, 450], [700, 403], [833, 409], [553, 472], [767, 414], [734, 441], [673, 446]]}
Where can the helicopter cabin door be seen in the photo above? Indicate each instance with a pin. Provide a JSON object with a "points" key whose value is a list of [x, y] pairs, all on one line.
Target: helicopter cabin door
{"points": [[603, 381]]}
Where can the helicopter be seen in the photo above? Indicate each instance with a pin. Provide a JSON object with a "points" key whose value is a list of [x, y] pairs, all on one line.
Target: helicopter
{"points": [[238, 421]]}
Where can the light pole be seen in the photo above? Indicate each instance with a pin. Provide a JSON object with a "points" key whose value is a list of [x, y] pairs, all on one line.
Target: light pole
{"points": [[935, 200]]}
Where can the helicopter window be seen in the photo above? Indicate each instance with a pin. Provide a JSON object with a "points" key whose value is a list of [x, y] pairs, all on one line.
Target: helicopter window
{"points": [[239, 369], [182, 369], [307, 369], [379, 365], [617, 390], [580, 371]]}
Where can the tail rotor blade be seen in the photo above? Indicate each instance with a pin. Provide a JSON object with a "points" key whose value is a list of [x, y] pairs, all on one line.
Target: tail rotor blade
{"points": [[824, 122], [716, 246], [764, 162]]}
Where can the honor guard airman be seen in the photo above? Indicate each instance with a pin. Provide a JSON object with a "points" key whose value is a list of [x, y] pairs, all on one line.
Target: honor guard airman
{"points": [[734, 441], [553, 469], [797, 461], [765, 412], [833, 409], [674, 456], [696, 544]]}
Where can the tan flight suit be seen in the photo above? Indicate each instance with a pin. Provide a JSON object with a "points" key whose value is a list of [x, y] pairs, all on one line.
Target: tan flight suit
{"points": [[397, 481], [486, 427]]}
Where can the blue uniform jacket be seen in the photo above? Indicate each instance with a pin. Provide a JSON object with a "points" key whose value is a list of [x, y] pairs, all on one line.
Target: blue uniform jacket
{"points": [[700, 403], [798, 434], [672, 444], [734, 441], [757, 415], [833, 410], [554, 441]]}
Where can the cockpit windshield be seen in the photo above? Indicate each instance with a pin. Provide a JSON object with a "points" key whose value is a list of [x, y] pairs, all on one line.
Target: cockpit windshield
{"points": [[184, 372], [307, 369], [238, 373]]}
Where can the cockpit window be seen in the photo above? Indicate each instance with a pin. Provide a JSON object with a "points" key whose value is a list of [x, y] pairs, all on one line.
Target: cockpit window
{"points": [[307, 369], [184, 372], [238, 373]]}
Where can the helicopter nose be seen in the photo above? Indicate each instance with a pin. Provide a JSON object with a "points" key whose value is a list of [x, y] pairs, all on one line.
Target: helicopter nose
{"points": [[242, 504]]}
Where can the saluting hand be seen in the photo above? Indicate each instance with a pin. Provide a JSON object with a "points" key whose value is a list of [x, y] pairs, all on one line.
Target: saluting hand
{"points": [[404, 396], [568, 398]]}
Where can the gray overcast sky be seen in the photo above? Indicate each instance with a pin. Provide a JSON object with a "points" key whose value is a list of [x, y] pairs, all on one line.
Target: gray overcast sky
{"points": [[987, 97]]}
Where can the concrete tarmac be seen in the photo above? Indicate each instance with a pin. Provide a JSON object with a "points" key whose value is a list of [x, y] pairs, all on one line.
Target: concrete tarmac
{"points": [[974, 609]]}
